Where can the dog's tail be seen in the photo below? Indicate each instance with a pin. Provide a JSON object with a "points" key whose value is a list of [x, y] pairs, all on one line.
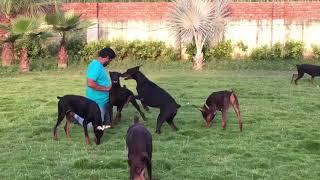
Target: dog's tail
{"points": [[59, 97], [178, 105], [136, 119]]}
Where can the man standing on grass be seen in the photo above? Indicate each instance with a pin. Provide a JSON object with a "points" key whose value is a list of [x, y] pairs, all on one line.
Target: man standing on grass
{"points": [[99, 84]]}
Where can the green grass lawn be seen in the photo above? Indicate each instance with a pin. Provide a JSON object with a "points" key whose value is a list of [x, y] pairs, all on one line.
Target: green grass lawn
{"points": [[280, 138]]}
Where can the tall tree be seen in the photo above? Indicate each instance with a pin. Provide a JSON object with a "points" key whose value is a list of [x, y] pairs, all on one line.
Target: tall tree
{"points": [[199, 22], [24, 30], [10, 9], [62, 23]]}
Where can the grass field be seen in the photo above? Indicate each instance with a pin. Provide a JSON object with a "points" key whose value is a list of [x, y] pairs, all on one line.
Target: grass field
{"points": [[280, 139]]}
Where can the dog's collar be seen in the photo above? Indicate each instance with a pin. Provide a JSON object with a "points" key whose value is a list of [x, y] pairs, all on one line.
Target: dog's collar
{"points": [[205, 105]]}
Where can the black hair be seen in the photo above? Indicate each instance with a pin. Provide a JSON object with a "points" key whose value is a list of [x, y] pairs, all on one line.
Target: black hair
{"points": [[107, 52]]}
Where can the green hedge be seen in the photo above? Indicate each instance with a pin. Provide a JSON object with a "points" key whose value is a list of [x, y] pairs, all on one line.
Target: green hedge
{"points": [[316, 52], [290, 50], [223, 50], [135, 50], [43, 57]]}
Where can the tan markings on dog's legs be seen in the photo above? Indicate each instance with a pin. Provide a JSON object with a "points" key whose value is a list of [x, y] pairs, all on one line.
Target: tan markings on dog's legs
{"points": [[55, 135], [67, 129], [223, 121], [117, 119], [293, 77], [235, 103], [208, 121]]}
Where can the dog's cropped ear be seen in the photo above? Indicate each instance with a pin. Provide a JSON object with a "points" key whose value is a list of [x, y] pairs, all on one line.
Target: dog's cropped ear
{"points": [[112, 74], [137, 67], [201, 109]]}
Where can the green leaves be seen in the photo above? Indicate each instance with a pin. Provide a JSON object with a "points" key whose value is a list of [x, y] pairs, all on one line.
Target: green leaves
{"points": [[26, 7], [27, 29], [25, 25], [222, 50], [135, 50], [290, 50], [5, 27], [66, 21]]}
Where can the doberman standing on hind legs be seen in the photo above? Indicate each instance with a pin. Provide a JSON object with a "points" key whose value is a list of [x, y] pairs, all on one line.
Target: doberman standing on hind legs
{"points": [[120, 96], [152, 95], [310, 69]]}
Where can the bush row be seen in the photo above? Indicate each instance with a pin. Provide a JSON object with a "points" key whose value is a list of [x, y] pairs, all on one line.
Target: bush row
{"points": [[78, 50], [290, 50], [134, 50]]}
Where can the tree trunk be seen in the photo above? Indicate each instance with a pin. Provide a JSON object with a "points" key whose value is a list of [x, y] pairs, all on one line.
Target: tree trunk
{"points": [[63, 54], [7, 54], [198, 61], [24, 60]]}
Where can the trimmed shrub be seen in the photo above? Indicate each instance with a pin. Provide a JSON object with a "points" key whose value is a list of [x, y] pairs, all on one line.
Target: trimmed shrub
{"points": [[291, 50], [135, 50], [223, 50], [316, 51]]}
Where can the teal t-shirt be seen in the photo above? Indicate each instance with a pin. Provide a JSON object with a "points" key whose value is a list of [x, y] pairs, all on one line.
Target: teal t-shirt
{"points": [[101, 76]]}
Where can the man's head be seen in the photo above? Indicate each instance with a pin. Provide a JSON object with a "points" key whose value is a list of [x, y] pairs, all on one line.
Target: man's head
{"points": [[106, 55]]}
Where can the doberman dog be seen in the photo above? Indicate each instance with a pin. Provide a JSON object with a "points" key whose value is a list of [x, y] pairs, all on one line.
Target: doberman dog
{"points": [[139, 143], [152, 95], [120, 97], [220, 101], [69, 105], [310, 69]]}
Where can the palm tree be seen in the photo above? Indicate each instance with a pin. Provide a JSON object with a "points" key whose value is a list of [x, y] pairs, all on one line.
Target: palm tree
{"points": [[62, 23], [10, 9], [8, 45], [26, 29], [198, 21]]}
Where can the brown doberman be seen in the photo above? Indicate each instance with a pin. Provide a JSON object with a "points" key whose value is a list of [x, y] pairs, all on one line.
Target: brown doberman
{"points": [[139, 143], [220, 101]]}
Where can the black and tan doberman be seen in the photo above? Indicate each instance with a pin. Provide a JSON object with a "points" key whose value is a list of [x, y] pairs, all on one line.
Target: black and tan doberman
{"points": [[152, 95], [220, 101], [69, 105]]}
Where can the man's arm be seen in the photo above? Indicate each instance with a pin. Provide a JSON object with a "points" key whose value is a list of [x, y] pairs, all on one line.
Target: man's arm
{"points": [[91, 83]]}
